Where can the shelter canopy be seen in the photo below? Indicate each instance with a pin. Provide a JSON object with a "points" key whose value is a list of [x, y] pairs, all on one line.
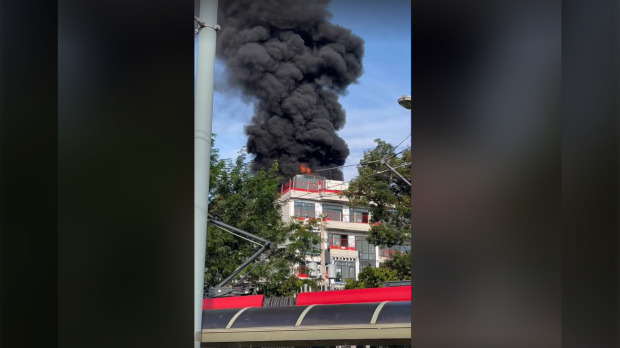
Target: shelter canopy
{"points": [[385, 323]]}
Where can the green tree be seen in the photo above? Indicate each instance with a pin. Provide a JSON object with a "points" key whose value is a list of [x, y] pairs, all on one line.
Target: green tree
{"points": [[353, 284], [250, 202], [395, 269], [386, 196], [400, 263], [288, 287], [372, 278]]}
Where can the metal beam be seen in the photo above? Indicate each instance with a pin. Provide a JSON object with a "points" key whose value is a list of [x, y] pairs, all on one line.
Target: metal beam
{"points": [[247, 262], [247, 234], [203, 114], [384, 162]]}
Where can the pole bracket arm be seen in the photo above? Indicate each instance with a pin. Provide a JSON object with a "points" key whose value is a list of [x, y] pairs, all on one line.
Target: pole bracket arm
{"points": [[202, 24]]}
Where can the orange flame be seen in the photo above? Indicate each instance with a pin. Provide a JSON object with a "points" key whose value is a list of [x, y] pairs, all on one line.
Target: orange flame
{"points": [[304, 169]]}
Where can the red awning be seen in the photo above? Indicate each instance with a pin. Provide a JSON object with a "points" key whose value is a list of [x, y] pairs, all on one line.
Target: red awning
{"points": [[232, 302], [401, 293]]}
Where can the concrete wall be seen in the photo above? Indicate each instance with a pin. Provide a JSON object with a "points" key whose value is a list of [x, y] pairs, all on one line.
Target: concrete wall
{"points": [[287, 211]]}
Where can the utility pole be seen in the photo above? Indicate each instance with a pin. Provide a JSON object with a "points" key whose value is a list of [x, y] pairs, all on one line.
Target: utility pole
{"points": [[323, 270], [203, 114]]}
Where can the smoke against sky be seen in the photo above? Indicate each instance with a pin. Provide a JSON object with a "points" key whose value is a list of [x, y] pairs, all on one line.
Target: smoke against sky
{"points": [[294, 64]]}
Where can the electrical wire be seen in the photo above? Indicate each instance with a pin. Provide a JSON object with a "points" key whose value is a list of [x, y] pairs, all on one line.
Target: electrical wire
{"points": [[351, 165], [361, 164], [402, 142], [348, 182], [348, 165], [409, 148], [400, 166], [363, 176]]}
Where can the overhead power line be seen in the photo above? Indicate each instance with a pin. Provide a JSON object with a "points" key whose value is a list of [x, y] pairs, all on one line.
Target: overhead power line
{"points": [[363, 176], [358, 164], [400, 166], [409, 148], [402, 142], [396, 154], [367, 162], [348, 165]]}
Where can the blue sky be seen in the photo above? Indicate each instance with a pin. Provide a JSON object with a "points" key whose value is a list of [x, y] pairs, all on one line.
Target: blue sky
{"points": [[371, 105]]}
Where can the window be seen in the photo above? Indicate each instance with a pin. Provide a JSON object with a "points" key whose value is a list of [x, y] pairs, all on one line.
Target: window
{"points": [[364, 264], [389, 252], [332, 212], [303, 209], [358, 215], [366, 252], [345, 269], [338, 240]]}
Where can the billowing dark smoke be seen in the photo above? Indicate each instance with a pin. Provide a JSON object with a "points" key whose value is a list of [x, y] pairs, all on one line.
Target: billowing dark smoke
{"points": [[293, 64]]}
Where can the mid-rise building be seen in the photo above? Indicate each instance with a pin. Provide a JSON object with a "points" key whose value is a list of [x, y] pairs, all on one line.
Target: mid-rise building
{"points": [[345, 227]]}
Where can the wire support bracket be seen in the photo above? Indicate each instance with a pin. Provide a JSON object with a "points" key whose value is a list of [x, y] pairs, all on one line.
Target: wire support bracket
{"points": [[202, 24]]}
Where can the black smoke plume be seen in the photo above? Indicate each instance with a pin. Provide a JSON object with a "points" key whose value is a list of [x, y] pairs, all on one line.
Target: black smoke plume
{"points": [[293, 64]]}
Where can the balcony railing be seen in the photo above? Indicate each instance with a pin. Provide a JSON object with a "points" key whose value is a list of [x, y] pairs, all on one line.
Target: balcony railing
{"points": [[302, 272], [313, 184], [359, 218], [342, 244], [389, 253], [356, 219], [333, 216]]}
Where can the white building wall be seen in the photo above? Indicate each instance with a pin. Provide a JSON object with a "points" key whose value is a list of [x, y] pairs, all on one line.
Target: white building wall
{"points": [[318, 208], [351, 240], [345, 213], [352, 231], [287, 211]]}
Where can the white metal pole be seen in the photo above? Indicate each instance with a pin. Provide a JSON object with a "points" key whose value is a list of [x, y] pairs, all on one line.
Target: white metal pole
{"points": [[384, 162], [203, 114], [322, 250]]}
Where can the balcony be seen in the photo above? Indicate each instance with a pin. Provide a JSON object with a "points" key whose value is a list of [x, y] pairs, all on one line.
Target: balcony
{"points": [[346, 225], [313, 187], [342, 244], [342, 247], [302, 272], [350, 252]]}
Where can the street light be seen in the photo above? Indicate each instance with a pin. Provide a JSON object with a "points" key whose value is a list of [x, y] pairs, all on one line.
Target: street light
{"points": [[405, 101]]}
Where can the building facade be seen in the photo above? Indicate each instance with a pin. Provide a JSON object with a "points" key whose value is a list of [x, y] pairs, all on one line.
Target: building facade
{"points": [[345, 228]]}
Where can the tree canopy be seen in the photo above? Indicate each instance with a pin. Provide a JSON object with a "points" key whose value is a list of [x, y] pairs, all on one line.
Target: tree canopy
{"points": [[398, 268], [400, 263], [250, 202], [386, 196]]}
